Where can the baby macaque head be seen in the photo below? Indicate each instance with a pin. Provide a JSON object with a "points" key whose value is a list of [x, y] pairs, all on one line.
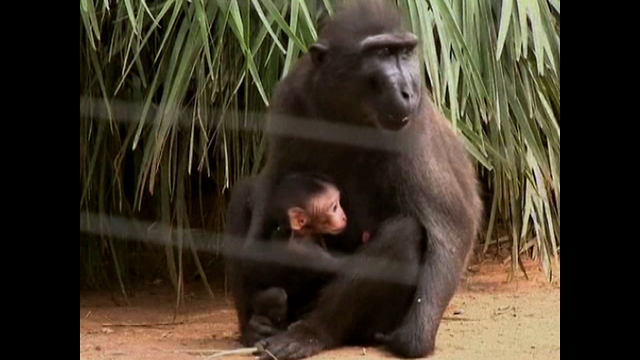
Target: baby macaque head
{"points": [[312, 205]]}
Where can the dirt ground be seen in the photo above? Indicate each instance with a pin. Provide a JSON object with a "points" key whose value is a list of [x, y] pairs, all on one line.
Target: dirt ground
{"points": [[488, 318]]}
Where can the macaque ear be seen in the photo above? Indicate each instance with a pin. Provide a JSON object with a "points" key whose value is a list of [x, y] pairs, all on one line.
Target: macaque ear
{"points": [[318, 51], [297, 218]]}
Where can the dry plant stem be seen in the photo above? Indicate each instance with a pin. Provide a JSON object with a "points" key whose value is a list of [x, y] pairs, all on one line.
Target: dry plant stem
{"points": [[144, 324], [242, 351], [453, 318], [193, 351]]}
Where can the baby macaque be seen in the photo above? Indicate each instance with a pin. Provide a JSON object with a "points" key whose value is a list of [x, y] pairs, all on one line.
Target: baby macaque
{"points": [[308, 206]]}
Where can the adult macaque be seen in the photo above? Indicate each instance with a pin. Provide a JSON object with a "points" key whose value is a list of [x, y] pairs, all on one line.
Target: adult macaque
{"points": [[406, 184]]}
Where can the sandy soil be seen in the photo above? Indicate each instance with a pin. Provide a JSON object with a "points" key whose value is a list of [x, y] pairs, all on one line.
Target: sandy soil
{"points": [[488, 318]]}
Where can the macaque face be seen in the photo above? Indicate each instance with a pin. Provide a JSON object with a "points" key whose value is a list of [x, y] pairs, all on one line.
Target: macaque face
{"points": [[331, 218], [322, 214]]}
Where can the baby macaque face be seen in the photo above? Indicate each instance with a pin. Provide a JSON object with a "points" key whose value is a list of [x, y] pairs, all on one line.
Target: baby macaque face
{"points": [[322, 214], [331, 218]]}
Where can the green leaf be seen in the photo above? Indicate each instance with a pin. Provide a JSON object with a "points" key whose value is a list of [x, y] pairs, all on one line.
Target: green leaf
{"points": [[329, 7], [307, 17], [524, 28], [256, 77], [505, 20], [448, 25], [292, 52], [132, 17], [430, 54], [267, 25], [88, 14], [291, 33]]}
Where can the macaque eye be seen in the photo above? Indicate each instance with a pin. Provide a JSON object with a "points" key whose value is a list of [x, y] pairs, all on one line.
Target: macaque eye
{"points": [[383, 51], [335, 207], [407, 52]]}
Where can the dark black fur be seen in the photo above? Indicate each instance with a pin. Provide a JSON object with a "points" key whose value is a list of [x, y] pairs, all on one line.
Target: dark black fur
{"points": [[404, 178], [269, 314], [272, 303]]}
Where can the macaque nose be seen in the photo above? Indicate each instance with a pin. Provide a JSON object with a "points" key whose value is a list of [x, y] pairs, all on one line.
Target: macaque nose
{"points": [[408, 99]]}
